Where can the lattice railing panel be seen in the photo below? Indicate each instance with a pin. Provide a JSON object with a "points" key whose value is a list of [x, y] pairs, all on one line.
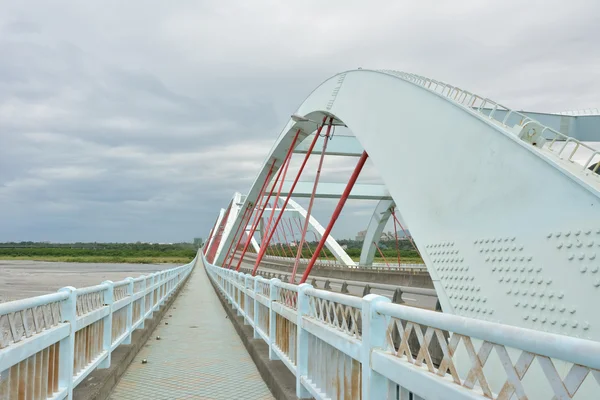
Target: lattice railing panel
{"points": [[25, 323], [343, 317], [263, 318], [137, 310], [138, 286], [89, 302], [288, 298], [477, 374], [88, 345], [263, 288], [285, 337], [333, 372], [119, 323], [35, 377], [120, 292]]}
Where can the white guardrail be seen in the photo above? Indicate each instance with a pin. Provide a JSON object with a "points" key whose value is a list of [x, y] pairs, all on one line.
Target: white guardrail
{"points": [[346, 347], [50, 343], [336, 264]]}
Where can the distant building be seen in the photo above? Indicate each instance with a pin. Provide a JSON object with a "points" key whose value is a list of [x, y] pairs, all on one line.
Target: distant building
{"points": [[360, 236]]}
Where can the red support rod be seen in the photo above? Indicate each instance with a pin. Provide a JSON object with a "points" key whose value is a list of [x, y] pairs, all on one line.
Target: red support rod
{"points": [[262, 210], [336, 213], [270, 235], [243, 224], [214, 247], [299, 225], [405, 233], [210, 235], [280, 241], [285, 169], [312, 200], [243, 233], [396, 236], [287, 242], [258, 205], [382, 256]]}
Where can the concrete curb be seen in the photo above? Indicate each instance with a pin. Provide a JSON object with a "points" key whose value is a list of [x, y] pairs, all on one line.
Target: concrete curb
{"points": [[280, 381], [100, 383]]}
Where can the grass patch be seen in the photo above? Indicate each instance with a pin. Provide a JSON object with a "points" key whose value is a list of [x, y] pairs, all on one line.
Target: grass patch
{"points": [[103, 259]]}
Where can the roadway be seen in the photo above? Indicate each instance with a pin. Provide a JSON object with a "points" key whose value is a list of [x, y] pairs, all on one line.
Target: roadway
{"points": [[416, 297]]}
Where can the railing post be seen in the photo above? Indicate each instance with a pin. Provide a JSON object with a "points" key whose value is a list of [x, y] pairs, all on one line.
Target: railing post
{"points": [[163, 290], [302, 342], [66, 355], [129, 323], [142, 303], [151, 294], [246, 300], [107, 334], [256, 335], [239, 292], [273, 291], [374, 327]]}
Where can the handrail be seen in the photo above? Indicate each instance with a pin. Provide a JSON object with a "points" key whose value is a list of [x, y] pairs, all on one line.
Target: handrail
{"points": [[60, 338], [31, 302], [341, 346], [479, 105]]}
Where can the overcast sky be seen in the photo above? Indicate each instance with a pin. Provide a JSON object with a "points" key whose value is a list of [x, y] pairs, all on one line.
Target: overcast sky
{"points": [[137, 120]]}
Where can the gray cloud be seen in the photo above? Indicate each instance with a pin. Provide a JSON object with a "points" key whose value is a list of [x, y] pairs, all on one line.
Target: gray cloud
{"points": [[138, 120]]}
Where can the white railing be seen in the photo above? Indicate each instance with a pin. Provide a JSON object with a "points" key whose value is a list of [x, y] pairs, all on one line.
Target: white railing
{"points": [[50, 343], [345, 347], [336, 264], [512, 120]]}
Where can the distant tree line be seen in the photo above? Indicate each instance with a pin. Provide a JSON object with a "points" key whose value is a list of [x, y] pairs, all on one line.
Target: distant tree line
{"points": [[37, 249]]}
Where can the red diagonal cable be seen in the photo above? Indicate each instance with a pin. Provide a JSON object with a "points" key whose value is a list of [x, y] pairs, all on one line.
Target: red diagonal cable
{"points": [[312, 200], [336, 212], [287, 242], [406, 234], [396, 236], [270, 235], [260, 214], [237, 231], [210, 235], [243, 233], [285, 170], [382, 256], [299, 224]]}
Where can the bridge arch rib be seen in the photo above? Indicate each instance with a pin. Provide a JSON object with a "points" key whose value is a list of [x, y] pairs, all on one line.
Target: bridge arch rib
{"points": [[481, 202]]}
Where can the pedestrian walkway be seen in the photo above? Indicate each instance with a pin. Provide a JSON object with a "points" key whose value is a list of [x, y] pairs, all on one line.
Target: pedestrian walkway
{"points": [[199, 354]]}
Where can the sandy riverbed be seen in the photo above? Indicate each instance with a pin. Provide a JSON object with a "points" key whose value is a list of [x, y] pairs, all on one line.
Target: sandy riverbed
{"points": [[21, 279]]}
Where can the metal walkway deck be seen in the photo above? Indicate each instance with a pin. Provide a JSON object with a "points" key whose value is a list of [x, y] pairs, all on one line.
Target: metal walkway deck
{"points": [[199, 354]]}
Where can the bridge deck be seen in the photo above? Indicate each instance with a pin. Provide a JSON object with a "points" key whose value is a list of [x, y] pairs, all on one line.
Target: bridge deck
{"points": [[199, 354]]}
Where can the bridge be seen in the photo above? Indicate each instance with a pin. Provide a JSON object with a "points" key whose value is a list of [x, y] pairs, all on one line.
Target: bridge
{"points": [[501, 205]]}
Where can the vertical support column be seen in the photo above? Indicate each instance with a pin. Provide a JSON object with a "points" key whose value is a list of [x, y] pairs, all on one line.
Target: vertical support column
{"points": [[143, 303], [107, 334], [273, 296], [256, 335], [374, 328], [302, 343], [66, 355], [129, 323]]}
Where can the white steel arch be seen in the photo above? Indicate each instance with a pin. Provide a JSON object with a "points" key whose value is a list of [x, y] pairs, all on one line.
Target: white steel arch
{"points": [[293, 207], [377, 223], [480, 196]]}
